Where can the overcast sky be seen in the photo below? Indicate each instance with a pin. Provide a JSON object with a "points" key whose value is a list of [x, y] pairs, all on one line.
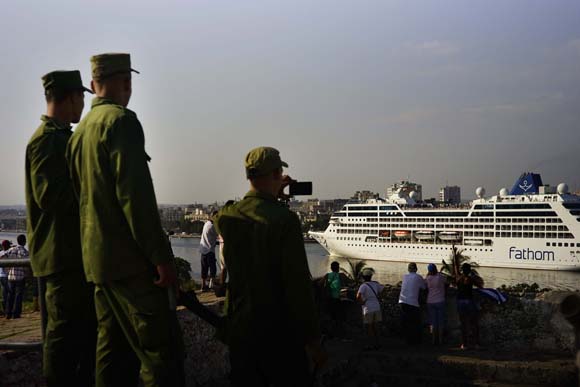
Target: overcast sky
{"points": [[355, 94]]}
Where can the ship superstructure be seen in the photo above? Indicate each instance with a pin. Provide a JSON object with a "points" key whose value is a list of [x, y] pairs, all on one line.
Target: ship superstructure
{"points": [[530, 227]]}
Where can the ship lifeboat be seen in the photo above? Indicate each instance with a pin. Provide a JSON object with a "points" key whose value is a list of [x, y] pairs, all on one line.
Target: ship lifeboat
{"points": [[473, 242], [449, 236], [402, 234], [424, 235]]}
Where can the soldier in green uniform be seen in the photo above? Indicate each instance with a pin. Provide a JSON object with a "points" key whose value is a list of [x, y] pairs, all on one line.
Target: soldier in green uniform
{"points": [[54, 237], [272, 323], [125, 251]]}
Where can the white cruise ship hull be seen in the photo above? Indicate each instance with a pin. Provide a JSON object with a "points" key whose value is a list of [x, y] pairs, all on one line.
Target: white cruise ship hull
{"points": [[505, 254]]}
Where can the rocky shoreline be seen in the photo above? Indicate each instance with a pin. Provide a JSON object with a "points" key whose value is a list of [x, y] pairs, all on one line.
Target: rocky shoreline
{"points": [[525, 341]]}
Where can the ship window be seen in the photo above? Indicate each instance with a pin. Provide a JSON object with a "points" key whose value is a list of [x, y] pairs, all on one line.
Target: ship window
{"points": [[559, 244], [522, 206], [565, 244], [483, 207], [571, 205], [363, 208], [526, 213], [539, 235], [577, 244]]}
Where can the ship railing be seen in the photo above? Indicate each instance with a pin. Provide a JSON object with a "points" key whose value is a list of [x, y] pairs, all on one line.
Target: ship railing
{"points": [[34, 345]]}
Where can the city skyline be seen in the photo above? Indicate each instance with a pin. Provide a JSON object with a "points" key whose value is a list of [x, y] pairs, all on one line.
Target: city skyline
{"points": [[355, 96]]}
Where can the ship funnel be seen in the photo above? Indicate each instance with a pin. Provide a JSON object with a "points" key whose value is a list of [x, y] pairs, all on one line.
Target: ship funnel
{"points": [[527, 183]]}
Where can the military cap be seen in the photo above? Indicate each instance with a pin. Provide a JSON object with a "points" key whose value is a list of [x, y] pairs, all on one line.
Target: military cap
{"points": [[64, 80], [104, 65], [263, 160]]}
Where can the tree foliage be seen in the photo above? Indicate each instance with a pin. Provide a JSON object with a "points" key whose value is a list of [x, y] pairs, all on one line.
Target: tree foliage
{"points": [[183, 269], [452, 269], [354, 270]]}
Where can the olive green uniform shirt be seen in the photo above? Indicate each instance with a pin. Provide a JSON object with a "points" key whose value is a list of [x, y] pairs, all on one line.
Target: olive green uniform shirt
{"points": [[53, 212], [120, 226], [270, 287]]}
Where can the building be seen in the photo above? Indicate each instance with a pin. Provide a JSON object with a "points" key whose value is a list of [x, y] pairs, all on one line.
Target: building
{"points": [[450, 194], [363, 196], [197, 215], [404, 188]]}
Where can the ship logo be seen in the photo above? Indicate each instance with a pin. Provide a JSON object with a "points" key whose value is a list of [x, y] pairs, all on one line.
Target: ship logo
{"points": [[525, 186]]}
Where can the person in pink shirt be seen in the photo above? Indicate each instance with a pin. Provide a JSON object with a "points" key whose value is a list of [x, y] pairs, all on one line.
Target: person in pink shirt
{"points": [[436, 285]]}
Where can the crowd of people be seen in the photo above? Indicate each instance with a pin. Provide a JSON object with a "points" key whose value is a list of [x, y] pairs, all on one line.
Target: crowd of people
{"points": [[13, 279], [416, 291]]}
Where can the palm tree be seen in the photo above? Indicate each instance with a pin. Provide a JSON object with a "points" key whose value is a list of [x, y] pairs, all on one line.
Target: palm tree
{"points": [[452, 270], [354, 270]]}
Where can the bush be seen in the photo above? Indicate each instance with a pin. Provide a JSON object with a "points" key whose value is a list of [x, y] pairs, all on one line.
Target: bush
{"points": [[183, 269]]}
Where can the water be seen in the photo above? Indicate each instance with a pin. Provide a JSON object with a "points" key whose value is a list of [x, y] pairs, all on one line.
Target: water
{"points": [[390, 272]]}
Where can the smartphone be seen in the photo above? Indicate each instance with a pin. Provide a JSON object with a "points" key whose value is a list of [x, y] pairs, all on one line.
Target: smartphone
{"points": [[300, 188]]}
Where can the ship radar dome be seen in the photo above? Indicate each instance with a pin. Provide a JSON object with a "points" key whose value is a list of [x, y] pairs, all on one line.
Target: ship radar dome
{"points": [[480, 192], [562, 188], [413, 195], [503, 192]]}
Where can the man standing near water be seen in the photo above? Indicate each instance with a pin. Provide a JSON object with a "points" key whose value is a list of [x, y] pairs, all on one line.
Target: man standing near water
{"points": [[125, 250], [207, 245], [54, 237], [272, 321]]}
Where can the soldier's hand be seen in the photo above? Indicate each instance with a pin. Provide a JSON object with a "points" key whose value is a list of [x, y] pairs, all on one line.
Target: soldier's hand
{"points": [[167, 275], [286, 180]]}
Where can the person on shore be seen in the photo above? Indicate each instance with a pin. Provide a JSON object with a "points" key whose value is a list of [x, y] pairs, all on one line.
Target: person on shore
{"points": [[16, 278], [125, 251], [436, 284], [467, 309], [4, 276], [271, 318], [368, 296], [332, 283], [207, 245], [409, 301], [54, 237]]}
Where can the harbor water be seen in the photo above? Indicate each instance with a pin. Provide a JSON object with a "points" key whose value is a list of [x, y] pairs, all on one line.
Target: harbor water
{"points": [[389, 272]]}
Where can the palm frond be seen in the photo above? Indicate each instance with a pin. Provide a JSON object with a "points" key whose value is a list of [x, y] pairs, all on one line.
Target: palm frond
{"points": [[452, 269], [354, 270]]}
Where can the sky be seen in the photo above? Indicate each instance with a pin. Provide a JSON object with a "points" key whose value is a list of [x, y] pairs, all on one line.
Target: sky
{"points": [[355, 94]]}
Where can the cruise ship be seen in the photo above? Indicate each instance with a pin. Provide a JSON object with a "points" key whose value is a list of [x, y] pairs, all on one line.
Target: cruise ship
{"points": [[532, 226]]}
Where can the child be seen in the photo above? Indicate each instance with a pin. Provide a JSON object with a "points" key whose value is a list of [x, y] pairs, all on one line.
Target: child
{"points": [[368, 296]]}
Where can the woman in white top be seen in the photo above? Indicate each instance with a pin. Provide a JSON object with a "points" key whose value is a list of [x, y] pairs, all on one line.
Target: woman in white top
{"points": [[436, 302], [368, 296]]}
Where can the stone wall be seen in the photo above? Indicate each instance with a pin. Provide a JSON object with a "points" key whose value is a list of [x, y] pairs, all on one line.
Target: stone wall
{"points": [[207, 361], [527, 322]]}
